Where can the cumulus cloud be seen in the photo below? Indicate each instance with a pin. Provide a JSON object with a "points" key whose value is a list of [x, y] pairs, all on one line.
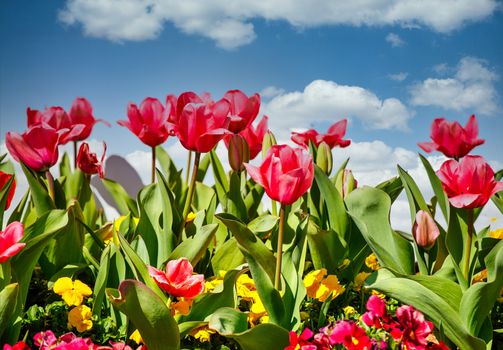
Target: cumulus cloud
{"points": [[470, 88], [228, 23], [395, 40], [398, 76], [324, 100]]}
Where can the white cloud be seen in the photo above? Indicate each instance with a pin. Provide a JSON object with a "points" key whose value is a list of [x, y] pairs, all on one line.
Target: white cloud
{"points": [[324, 100], [228, 22], [398, 76], [395, 40], [471, 88]]}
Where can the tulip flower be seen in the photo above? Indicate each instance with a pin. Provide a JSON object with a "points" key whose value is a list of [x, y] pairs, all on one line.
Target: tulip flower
{"points": [[58, 119], [4, 178], [345, 182], [468, 183], [37, 147], [176, 105], [333, 137], [179, 280], [286, 173], [452, 139], [88, 162], [9, 239], [255, 136], [425, 231], [243, 110], [81, 113], [239, 152]]}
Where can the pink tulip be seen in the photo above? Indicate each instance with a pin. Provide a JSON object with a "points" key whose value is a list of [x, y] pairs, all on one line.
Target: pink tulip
{"points": [[37, 147], [286, 173], [332, 138], [88, 162], [178, 280], [243, 110], [468, 183], [415, 328], [56, 118], [81, 113], [149, 122], [452, 139], [201, 126], [4, 178], [253, 136], [9, 239], [425, 231]]}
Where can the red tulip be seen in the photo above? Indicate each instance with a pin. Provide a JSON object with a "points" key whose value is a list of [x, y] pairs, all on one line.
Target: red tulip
{"points": [[332, 138], [202, 126], [56, 118], [9, 239], [81, 113], [425, 231], [469, 183], [88, 162], [4, 178], [243, 110], [178, 280], [37, 147], [149, 123], [253, 137], [452, 139], [286, 173]]}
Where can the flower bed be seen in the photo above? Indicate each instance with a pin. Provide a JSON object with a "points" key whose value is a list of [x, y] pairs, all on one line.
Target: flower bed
{"points": [[282, 253]]}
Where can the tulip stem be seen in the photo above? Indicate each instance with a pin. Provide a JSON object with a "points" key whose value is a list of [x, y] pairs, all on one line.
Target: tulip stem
{"points": [[153, 164], [274, 209], [190, 193], [50, 182], [189, 161], [75, 155], [279, 254], [468, 251]]}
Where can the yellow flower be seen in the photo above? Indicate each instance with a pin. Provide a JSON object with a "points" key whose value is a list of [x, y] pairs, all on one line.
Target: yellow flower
{"points": [[372, 262], [214, 281], [360, 280], [257, 313], [191, 216], [320, 287], [80, 318], [480, 277], [72, 292], [498, 233], [136, 337], [245, 287], [181, 307], [120, 220], [349, 311], [203, 334]]}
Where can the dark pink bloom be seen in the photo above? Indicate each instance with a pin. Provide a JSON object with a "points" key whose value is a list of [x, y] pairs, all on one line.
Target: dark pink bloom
{"points": [[4, 178], [376, 312], [81, 113], [20, 345], [254, 137], [9, 239], [415, 328], [114, 346], [201, 126], [179, 280], [301, 342], [332, 138], [468, 183], [37, 147], [56, 118], [45, 339], [88, 162], [425, 231], [286, 173], [243, 110], [352, 336], [149, 122], [452, 139], [183, 100]]}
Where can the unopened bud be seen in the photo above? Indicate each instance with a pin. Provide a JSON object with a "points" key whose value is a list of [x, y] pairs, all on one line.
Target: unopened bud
{"points": [[269, 140], [239, 152], [345, 182], [425, 230], [324, 158]]}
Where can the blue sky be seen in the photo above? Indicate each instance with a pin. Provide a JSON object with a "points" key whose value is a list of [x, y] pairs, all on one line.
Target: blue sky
{"points": [[390, 67]]}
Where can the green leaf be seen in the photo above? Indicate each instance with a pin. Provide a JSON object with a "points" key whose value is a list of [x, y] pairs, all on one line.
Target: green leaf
{"points": [[227, 321], [171, 218], [253, 198], [101, 281], [327, 248], [4, 194], [235, 203], [17, 213], [194, 248], [264, 336], [414, 196], [263, 224], [228, 256], [443, 202], [148, 313], [221, 182], [370, 210], [8, 299], [40, 197], [393, 187], [125, 204]]}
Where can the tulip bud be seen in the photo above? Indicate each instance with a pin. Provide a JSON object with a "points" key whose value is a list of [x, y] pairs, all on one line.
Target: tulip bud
{"points": [[269, 140], [324, 158], [345, 182], [239, 152], [425, 231]]}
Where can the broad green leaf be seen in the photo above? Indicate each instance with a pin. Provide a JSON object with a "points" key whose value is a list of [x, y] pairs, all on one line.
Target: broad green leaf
{"points": [[4, 194], [227, 321], [414, 196], [125, 204], [171, 217], [436, 185], [17, 213], [40, 197], [8, 299], [205, 199], [370, 210], [228, 256], [235, 203], [148, 313], [193, 248], [202, 169], [263, 224], [65, 168], [393, 187], [264, 336], [327, 248], [221, 182], [253, 198], [101, 281]]}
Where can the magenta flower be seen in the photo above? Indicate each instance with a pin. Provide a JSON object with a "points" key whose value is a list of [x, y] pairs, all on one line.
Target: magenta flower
{"points": [[243, 110], [9, 239], [81, 113], [349, 334], [58, 119], [88, 162], [179, 280], [253, 136], [415, 328], [376, 312], [332, 138], [4, 178], [301, 342]]}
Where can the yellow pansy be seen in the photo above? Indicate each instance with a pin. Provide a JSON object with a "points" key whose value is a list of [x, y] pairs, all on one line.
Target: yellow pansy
{"points": [[120, 220], [498, 233], [312, 281], [360, 280], [214, 281], [80, 317], [320, 287], [136, 337], [72, 292], [349, 311], [372, 262], [245, 287], [181, 306], [203, 334], [257, 313], [191, 216]]}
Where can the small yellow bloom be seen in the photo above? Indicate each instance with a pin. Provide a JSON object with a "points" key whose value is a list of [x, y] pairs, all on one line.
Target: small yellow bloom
{"points": [[360, 280], [257, 313], [203, 334], [136, 337], [245, 287], [214, 281], [181, 307], [349, 311], [191, 216], [498, 233], [372, 262], [320, 287], [120, 220], [80, 317], [72, 292], [312, 281]]}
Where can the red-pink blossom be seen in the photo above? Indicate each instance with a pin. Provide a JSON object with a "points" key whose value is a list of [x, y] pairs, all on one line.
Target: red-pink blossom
{"points": [[253, 136], [9, 239], [376, 312], [56, 118], [333, 137], [81, 113], [4, 178], [179, 280], [20, 345], [349, 334], [302, 341], [415, 328], [243, 109], [88, 162]]}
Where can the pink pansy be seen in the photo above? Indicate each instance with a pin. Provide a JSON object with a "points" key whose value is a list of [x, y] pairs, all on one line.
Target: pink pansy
{"points": [[243, 109], [349, 334], [469, 183], [425, 230], [332, 138], [415, 328], [451, 138], [301, 342], [376, 312], [45, 340], [9, 239], [20, 345], [286, 173], [179, 280]]}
